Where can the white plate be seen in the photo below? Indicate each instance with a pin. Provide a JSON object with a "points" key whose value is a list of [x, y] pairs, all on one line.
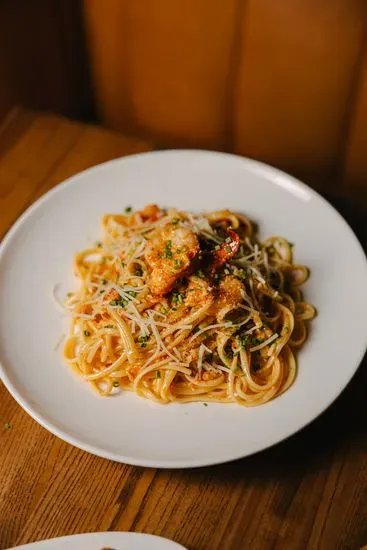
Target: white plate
{"points": [[38, 250], [96, 541]]}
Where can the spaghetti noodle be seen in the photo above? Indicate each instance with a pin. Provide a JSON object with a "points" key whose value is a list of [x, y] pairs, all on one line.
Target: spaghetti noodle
{"points": [[177, 306]]}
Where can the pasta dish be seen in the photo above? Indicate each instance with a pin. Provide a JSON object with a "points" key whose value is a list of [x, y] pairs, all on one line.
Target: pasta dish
{"points": [[180, 306]]}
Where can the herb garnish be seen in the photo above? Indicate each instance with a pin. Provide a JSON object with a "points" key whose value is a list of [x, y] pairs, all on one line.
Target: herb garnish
{"points": [[143, 340], [177, 298], [168, 250]]}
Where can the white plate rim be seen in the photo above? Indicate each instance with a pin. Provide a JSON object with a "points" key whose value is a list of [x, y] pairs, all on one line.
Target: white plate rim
{"points": [[110, 537], [278, 177]]}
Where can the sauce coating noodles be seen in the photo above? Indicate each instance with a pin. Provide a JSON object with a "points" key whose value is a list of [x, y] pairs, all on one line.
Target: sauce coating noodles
{"points": [[178, 306]]}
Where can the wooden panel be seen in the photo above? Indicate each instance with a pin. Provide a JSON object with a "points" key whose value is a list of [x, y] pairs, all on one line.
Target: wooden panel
{"points": [[296, 76], [355, 173], [42, 58], [162, 67]]}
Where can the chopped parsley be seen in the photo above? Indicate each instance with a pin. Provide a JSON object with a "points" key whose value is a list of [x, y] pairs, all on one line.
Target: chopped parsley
{"points": [[104, 281], [175, 221], [86, 333], [158, 374], [116, 384], [217, 247], [290, 244], [228, 249], [164, 309], [286, 328], [200, 274], [241, 274], [123, 264], [120, 302], [128, 209], [178, 264], [7, 426], [205, 404], [69, 294], [98, 244], [132, 293], [228, 240], [168, 250], [248, 340], [177, 298], [143, 340]]}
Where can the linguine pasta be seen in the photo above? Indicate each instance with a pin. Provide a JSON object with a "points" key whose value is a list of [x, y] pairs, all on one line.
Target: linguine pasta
{"points": [[177, 306]]}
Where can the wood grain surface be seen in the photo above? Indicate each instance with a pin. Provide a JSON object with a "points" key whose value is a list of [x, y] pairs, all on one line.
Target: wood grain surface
{"points": [[309, 492]]}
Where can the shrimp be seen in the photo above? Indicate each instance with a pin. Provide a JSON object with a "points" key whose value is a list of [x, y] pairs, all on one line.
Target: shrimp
{"points": [[227, 250], [170, 256]]}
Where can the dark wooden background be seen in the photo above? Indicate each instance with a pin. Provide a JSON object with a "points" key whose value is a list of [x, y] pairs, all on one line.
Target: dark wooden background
{"points": [[284, 82]]}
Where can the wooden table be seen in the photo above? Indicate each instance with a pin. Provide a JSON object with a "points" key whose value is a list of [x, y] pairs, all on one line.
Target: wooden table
{"points": [[307, 492]]}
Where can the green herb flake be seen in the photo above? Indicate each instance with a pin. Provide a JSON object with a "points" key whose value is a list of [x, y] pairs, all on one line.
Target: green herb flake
{"points": [[116, 384], [178, 264], [164, 309], [228, 249], [143, 340], [241, 274], [228, 240], [200, 274], [175, 221], [168, 250], [177, 298], [128, 209], [290, 244], [158, 374], [138, 272], [70, 294], [123, 264], [98, 244], [104, 281], [205, 404], [248, 341], [120, 303], [86, 333], [7, 426], [132, 293], [217, 247]]}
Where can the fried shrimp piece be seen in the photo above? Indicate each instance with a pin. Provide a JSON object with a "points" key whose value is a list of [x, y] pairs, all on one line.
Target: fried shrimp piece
{"points": [[170, 256]]}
